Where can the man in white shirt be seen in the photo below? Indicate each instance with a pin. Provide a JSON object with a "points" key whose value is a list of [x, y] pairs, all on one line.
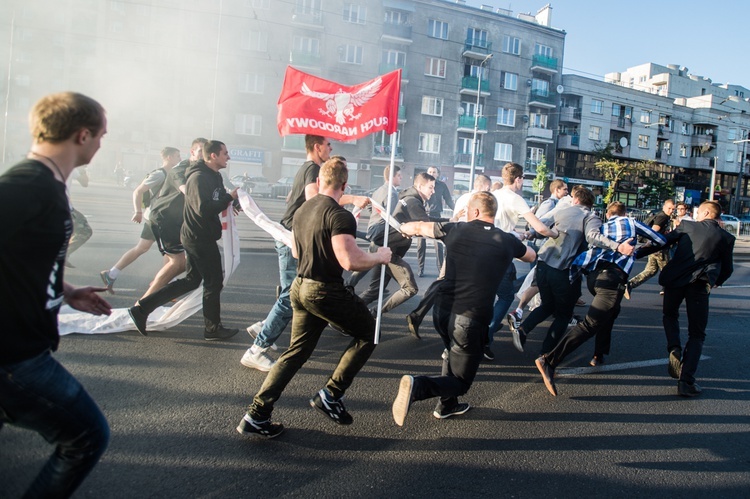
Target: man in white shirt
{"points": [[511, 206]]}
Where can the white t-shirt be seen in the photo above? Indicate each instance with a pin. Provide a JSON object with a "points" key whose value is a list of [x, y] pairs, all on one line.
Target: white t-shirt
{"points": [[510, 206], [461, 203]]}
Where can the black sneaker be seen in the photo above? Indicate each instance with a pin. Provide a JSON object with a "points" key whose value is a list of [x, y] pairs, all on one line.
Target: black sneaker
{"points": [[265, 429], [403, 400], [444, 412], [219, 332], [412, 320], [675, 363], [488, 355], [334, 409], [685, 389], [139, 318]]}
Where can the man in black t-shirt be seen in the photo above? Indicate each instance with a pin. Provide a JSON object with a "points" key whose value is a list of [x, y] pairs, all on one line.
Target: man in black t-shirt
{"points": [[478, 255], [656, 261], [36, 392], [324, 243]]}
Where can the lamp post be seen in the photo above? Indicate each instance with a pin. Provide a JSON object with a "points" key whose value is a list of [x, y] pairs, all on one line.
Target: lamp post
{"points": [[476, 123], [741, 178]]}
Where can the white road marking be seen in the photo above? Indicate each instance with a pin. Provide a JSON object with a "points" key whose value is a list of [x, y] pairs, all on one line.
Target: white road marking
{"points": [[572, 371]]}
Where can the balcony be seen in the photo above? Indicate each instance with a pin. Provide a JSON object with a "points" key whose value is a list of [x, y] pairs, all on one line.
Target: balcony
{"points": [[570, 114], [619, 150], [402, 114], [544, 63], [385, 67], [530, 166], [466, 124], [568, 141], [477, 49], [703, 141], [465, 159], [621, 123], [664, 131], [539, 134], [469, 86], [396, 33], [698, 162], [384, 152], [542, 98], [304, 59], [308, 17]]}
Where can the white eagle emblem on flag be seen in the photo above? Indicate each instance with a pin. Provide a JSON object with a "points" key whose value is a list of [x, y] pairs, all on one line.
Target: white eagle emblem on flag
{"points": [[342, 104]]}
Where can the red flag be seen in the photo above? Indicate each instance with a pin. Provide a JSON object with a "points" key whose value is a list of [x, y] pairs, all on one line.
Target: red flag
{"points": [[309, 104]]}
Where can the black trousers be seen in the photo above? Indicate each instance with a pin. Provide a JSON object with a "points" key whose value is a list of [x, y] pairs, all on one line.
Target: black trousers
{"points": [[695, 295], [559, 298], [464, 338], [203, 264], [607, 284], [422, 251]]}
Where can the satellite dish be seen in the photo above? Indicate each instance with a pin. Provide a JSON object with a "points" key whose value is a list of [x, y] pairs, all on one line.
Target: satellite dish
{"points": [[623, 142], [560, 89]]}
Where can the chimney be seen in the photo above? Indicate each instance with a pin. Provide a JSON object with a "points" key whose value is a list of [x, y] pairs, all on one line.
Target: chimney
{"points": [[544, 16]]}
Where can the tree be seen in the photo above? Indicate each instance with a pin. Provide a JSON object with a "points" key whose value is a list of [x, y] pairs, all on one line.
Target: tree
{"points": [[655, 190], [613, 171], [542, 175]]}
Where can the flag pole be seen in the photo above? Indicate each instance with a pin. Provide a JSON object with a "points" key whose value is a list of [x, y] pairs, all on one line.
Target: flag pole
{"points": [[389, 210]]}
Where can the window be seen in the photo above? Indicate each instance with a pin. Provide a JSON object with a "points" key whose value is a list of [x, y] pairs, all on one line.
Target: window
{"points": [[394, 58], [540, 87], [117, 6], [643, 141], [309, 7], [429, 143], [350, 54], [503, 152], [645, 116], [247, 124], [470, 108], [535, 155], [511, 45], [255, 40], [508, 81], [538, 120], [683, 150], [668, 148], [506, 117], [435, 67], [732, 134], [595, 132], [476, 37], [432, 106], [437, 29], [306, 45], [596, 106], [355, 13], [684, 129], [731, 156], [252, 83], [464, 144], [544, 50], [396, 17]]}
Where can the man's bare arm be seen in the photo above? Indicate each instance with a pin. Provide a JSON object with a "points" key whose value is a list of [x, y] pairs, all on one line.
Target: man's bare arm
{"points": [[351, 257]]}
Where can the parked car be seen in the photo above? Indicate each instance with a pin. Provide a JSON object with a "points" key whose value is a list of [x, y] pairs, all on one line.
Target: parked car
{"points": [[731, 224], [257, 186], [282, 187], [744, 224]]}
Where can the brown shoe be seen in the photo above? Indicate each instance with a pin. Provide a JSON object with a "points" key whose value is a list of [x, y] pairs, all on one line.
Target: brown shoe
{"points": [[548, 374]]}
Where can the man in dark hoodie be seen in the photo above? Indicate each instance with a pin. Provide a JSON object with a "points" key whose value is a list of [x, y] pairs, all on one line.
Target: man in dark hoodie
{"points": [[205, 199], [410, 208]]}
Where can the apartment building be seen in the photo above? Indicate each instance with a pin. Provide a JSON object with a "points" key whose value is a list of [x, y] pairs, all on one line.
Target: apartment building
{"points": [[169, 71]]}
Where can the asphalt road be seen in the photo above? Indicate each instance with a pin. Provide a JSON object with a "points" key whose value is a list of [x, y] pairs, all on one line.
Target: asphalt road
{"points": [[173, 401]]}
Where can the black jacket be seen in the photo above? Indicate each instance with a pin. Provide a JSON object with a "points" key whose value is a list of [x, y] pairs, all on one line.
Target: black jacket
{"points": [[704, 251], [205, 198]]}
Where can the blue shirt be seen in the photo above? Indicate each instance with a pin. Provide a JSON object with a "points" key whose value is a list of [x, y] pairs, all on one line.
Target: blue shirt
{"points": [[619, 229]]}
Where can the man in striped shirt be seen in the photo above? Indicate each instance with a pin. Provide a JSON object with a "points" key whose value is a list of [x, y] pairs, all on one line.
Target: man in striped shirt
{"points": [[608, 273]]}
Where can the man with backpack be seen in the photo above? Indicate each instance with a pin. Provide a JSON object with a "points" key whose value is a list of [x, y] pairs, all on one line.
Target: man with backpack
{"points": [[143, 197]]}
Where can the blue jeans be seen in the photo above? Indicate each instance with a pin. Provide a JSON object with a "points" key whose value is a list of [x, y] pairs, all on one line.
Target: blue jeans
{"points": [[505, 297], [40, 395], [281, 313]]}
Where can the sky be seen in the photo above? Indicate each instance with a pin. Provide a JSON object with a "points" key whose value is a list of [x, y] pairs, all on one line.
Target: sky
{"points": [[604, 36]]}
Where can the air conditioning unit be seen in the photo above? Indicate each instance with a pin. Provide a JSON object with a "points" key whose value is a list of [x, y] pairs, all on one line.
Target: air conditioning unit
{"points": [[364, 167]]}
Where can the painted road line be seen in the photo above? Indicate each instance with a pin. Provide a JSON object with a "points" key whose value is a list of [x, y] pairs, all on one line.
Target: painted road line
{"points": [[572, 371]]}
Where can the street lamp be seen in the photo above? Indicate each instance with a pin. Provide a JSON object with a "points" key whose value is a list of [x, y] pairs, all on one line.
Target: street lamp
{"points": [[741, 178], [476, 123]]}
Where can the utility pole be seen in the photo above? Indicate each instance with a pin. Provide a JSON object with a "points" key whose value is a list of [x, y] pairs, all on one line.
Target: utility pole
{"points": [[741, 176]]}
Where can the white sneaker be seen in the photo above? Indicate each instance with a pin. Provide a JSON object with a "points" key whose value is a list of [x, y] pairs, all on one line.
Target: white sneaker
{"points": [[257, 358], [255, 330]]}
